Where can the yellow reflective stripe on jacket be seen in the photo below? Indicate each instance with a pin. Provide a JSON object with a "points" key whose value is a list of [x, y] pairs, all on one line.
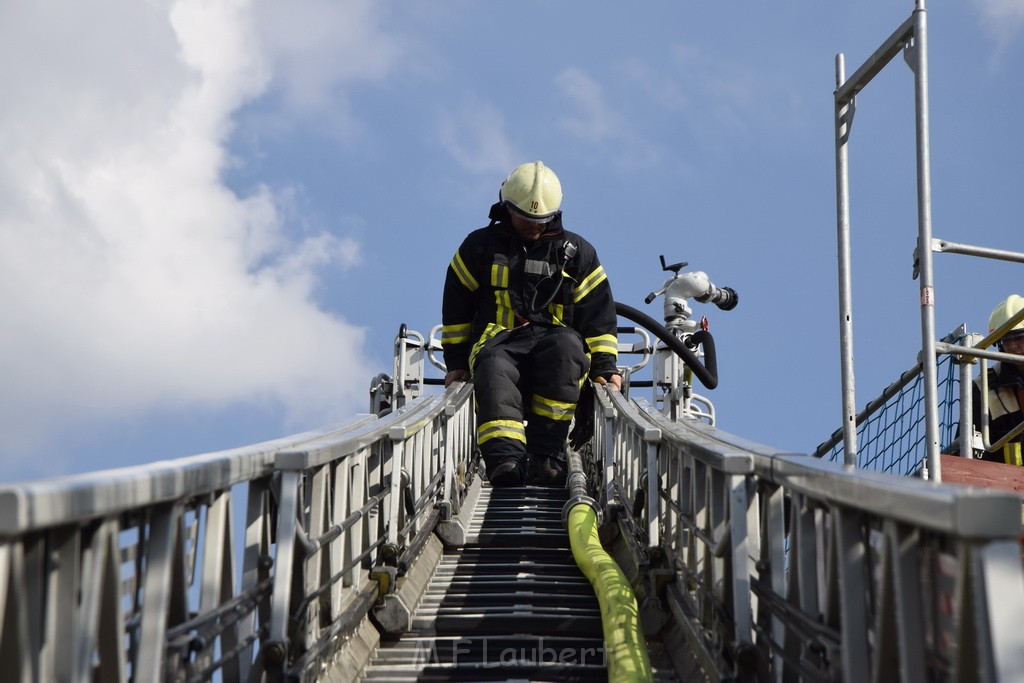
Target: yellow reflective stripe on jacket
{"points": [[508, 429], [504, 314], [1011, 454], [557, 312], [455, 334], [604, 343], [462, 272], [596, 277], [499, 275], [550, 408]]}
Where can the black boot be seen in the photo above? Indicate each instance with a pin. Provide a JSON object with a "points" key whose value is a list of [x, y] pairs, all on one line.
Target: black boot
{"points": [[548, 470], [508, 472]]}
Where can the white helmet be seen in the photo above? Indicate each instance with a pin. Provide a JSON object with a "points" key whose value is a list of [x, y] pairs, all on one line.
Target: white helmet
{"points": [[532, 191], [1008, 308]]}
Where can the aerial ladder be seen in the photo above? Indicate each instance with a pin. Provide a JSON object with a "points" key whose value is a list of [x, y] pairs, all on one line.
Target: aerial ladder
{"points": [[374, 549], [529, 592]]}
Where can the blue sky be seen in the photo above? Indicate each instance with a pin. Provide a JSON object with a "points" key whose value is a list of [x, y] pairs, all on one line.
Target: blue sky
{"points": [[214, 222]]}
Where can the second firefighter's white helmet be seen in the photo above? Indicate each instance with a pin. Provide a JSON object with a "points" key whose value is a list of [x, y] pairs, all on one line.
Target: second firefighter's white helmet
{"points": [[1008, 308], [533, 191]]}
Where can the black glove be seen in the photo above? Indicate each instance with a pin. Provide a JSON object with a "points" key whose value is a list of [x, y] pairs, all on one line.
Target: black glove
{"points": [[583, 426]]}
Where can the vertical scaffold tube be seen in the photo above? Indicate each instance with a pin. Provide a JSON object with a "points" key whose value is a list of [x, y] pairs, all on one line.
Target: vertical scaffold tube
{"points": [[625, 648], [844, 110]]}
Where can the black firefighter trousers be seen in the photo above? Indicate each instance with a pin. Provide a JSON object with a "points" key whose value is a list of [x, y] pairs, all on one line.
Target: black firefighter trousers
{"points": [[532, 373]]}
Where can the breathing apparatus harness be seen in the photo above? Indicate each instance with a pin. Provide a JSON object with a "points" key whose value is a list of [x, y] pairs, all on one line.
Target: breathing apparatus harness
{"points": [[569, 250], [501, 213]]}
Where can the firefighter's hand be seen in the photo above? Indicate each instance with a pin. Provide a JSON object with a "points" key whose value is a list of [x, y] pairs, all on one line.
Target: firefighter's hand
{"points": [[615, 380], [455, 376]]}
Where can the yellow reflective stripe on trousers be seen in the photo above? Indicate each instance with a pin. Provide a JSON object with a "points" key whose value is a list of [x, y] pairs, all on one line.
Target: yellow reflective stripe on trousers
{"points": [[489, 332], [509, 429], [552, 409], [455, 334], [1011, 454], [462, 272], [604, 343], [596, 277]]}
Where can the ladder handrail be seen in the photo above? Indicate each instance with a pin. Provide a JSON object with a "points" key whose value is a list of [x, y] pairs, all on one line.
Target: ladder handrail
{"points": [[746, 529], [66, 543], [37, 505]]}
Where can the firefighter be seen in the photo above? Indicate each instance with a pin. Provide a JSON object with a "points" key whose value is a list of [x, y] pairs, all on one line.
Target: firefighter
{"points": [[1005, 385], [528, 314]]}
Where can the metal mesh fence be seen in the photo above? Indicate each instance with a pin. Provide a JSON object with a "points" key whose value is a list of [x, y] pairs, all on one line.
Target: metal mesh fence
{"points": [[892, 437]]}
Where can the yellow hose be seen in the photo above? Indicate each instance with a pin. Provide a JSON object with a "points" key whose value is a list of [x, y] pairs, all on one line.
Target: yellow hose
{"points": [[625, 648]]}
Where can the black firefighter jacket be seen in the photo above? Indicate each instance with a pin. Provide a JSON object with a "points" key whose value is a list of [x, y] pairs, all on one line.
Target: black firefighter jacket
{"points": [[497, 281], [1005, 386]]}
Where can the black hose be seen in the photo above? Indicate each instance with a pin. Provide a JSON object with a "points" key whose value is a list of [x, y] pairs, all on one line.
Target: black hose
{"points": [[704, 338], [706, 372]]}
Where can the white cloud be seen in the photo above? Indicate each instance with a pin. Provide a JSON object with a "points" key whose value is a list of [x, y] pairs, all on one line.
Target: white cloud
{"points": [[1003, 10], [596, 120], [475, 136], [725, 103], [319, 47], [1004, 19], [655, 86], [131, 277]]}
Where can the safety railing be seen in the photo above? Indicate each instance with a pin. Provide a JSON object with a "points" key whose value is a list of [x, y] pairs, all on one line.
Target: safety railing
{"points": [[890, 428], [673, 497], [969, 443], [345, 501], [769, 563], [787, 567], [910, 39], [890, 433], [98, 572], [136, 574]]}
